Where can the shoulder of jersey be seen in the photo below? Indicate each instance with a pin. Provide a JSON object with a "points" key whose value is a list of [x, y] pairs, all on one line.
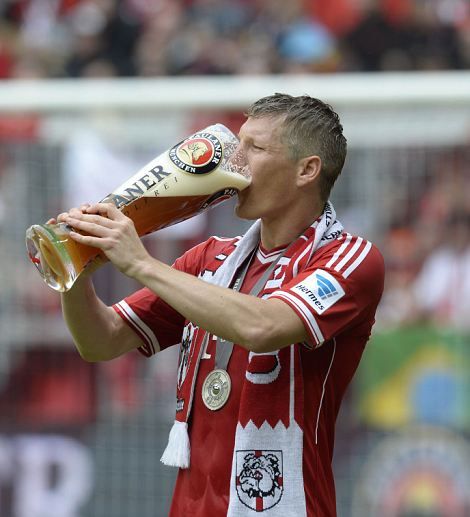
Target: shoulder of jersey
{"points": [[221, 247], [348, 252]]}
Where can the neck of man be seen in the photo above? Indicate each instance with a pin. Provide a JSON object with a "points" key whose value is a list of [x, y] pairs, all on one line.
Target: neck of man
{"points": [[286, 228]]}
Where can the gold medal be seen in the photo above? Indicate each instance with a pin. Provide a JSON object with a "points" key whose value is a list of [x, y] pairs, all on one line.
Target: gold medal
{"points": [[216, 389]]}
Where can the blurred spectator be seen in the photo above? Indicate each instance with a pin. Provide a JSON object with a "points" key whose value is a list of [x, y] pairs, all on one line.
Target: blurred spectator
{"points": [[442, 289], [375, 44], [7, 49], [413, 38], [401, 251], [338, 16], [427, 252], [306, 46], [446, 191], [106, 36], [433, 42]]}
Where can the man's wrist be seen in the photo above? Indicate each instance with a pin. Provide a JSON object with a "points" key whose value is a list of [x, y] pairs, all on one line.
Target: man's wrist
{"points": [[142, 269]]}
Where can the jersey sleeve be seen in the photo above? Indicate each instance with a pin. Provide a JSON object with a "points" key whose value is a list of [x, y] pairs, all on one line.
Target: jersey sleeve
{"points": [[337, 292], [156, 323]]}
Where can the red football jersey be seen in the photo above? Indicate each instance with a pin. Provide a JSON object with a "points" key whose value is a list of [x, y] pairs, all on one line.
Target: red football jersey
{"points": [[336, 297]]}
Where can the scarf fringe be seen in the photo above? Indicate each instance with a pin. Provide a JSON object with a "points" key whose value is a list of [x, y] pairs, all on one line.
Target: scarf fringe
{"points": [[177, 452]]}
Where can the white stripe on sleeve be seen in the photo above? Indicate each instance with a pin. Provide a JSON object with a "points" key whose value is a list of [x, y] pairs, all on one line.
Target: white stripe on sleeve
{"points": [[305, 314], [339, 251], [349, 254], [146, 331], [359, 259]]}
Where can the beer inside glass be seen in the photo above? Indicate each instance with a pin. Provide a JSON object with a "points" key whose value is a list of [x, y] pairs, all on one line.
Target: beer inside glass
{"points": [[203, 170]]}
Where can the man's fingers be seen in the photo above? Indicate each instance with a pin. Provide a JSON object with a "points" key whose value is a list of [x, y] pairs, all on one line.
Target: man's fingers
{"points": [[96, 227], [88, 240], [91, 218], [62, 217], [107, 210], [74, 212]]}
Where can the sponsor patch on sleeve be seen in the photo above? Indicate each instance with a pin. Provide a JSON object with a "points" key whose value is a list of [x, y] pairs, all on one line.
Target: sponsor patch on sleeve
{"points": [[320, 290]]}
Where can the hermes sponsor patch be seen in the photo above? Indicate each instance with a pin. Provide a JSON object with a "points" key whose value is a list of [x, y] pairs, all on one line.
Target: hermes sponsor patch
{"points": [[320, 290]]}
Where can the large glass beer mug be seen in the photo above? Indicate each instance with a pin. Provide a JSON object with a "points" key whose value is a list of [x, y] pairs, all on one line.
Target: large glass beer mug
{"points": [[191, 177]]}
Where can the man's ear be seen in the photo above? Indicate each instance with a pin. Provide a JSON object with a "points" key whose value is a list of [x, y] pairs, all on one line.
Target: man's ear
{"points": [[309, 170]]}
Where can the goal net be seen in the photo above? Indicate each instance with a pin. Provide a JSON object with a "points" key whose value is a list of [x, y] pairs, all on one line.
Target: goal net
{"points": [[80, 439]]}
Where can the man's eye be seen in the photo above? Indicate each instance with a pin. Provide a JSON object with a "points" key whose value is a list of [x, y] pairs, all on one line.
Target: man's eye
{"points": [[257, 147]]}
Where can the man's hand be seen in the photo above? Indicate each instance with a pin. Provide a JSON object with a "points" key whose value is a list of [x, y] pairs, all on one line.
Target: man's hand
{"points": [[107, 228]]}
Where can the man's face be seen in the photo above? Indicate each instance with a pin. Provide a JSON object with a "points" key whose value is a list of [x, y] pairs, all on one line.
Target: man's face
{"points": [[270, 167]]}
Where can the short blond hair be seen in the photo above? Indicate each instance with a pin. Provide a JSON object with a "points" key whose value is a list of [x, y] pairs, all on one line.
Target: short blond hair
{"points": [[309, 127]]}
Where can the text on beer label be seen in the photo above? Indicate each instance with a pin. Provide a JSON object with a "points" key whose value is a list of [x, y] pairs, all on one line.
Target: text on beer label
{"points": [[137, 189]]}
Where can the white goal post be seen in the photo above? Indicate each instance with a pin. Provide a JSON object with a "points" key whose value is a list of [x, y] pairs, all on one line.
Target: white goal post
{"points": [[236, 92], [427, 108]]}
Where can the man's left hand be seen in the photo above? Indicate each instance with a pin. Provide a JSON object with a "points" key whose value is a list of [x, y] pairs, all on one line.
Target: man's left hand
{"points": [[105, 227]]}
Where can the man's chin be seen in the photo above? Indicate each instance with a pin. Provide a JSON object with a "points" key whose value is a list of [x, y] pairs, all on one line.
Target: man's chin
{"points": [[243, 213], [239, 210]]}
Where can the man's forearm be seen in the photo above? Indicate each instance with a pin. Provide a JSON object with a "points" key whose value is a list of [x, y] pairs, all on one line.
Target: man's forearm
{"points": [[90, 321], [258, 325]]}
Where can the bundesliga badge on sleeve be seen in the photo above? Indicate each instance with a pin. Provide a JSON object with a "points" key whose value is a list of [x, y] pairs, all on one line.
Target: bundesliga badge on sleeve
{"points": [[216, 389]]}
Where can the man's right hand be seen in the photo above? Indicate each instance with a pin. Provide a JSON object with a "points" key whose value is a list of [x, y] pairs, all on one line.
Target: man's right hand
{"points": [[98, 261]]}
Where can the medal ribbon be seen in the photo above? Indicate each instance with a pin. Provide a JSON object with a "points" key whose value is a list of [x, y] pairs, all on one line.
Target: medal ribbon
{"points": [[223, 348]]}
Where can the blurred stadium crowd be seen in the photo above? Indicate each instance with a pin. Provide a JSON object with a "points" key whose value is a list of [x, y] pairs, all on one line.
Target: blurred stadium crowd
{"points": [[427, 249], [102, 38]]}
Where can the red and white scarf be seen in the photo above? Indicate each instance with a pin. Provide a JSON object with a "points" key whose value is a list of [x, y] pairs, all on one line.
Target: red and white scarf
{"points": [[269, 433]]}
